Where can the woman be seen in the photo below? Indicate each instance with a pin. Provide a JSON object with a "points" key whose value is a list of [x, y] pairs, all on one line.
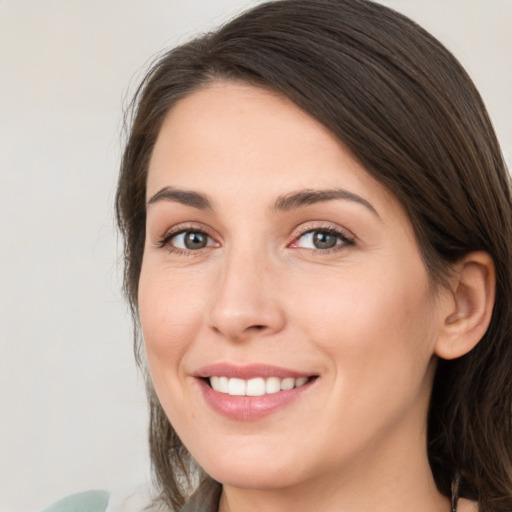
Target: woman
{"points": [[317, 227]]}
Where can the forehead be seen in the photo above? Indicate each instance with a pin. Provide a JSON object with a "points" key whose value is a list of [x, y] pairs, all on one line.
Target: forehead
{"points": [[232, 137], [238, 118]]}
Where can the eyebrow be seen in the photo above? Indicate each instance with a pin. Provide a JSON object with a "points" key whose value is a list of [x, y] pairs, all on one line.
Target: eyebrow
{"points": [[286, 202], [309, 196], [185, 197]]}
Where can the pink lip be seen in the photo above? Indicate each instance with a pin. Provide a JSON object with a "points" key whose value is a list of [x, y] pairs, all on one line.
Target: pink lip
{"points": [[248, 371], [249, 408]]}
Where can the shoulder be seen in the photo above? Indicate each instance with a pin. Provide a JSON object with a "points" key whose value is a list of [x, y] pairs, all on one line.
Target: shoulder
{"points": [[89, 501]]}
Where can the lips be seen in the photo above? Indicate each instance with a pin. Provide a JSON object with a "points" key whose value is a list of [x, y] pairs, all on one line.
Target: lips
{"points": [[251, 392], [248, 371]]}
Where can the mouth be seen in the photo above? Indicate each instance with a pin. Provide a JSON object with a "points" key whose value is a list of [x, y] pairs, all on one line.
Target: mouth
{"points": [[246, 393], [257, 386]]}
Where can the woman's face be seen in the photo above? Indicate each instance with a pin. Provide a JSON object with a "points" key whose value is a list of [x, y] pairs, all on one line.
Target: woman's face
{"points": [[278, 271]]}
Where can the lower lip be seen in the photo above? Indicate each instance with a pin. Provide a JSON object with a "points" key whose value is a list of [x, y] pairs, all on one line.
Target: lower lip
{"points": [[250, 408]]}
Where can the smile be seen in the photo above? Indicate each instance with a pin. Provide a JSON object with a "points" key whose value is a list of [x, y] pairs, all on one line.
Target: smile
{"points": [[251, 392], [258, 386]]}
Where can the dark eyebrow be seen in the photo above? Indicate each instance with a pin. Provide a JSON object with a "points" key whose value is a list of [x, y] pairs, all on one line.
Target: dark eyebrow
{"points": [[310, 196], [186, 197], [286, 202]]}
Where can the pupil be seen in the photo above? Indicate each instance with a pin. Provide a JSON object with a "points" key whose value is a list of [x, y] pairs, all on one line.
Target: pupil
{"points": [[323, 240], [195, 240]]}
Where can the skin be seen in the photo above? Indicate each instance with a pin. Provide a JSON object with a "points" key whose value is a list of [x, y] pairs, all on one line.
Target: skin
{"points": [[363, 316]]}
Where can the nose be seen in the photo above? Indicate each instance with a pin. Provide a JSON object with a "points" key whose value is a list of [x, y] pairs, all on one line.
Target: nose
{"points": [[246, 302]]}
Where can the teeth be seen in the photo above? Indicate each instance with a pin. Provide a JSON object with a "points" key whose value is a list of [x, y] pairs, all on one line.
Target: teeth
{"points": [[236, 387], [289, 383], [273, 385], [224, 384], [255, 387], [300, 382]]}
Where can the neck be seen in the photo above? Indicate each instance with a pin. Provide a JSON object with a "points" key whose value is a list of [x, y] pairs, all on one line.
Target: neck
{"points": [[392, 478]]}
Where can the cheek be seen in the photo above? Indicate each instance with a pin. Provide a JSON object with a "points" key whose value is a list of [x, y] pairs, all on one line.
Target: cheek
{"points": [[170, 312], [379, 341], [376, 323]]}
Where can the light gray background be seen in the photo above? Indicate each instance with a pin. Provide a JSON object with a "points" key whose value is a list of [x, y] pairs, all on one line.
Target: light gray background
{"points": [[73, 414]]}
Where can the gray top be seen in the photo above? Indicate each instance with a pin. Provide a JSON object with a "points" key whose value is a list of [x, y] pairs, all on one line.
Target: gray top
{"points": [[89, 501], [205, 499]]}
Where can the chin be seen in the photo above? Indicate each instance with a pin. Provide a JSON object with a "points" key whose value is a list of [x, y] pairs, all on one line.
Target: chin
{"points": [[249, 478], [239, 472]]}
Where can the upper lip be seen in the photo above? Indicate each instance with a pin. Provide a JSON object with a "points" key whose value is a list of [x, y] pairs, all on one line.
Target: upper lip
{"points": [[250, 371]]}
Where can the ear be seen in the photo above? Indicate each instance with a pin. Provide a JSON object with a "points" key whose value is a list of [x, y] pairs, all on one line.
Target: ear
{"points": [[469, 311]]}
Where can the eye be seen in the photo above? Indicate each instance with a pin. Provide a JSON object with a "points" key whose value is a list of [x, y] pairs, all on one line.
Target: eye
{"points": [[190, 240], [321, 239]]}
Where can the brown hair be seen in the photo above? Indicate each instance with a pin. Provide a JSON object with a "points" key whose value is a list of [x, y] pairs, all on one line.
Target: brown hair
{"points": [[409, 112]]}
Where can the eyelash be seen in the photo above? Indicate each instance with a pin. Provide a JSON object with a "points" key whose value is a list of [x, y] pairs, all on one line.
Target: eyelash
{"points": [[346, 240], [165, 241]]}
